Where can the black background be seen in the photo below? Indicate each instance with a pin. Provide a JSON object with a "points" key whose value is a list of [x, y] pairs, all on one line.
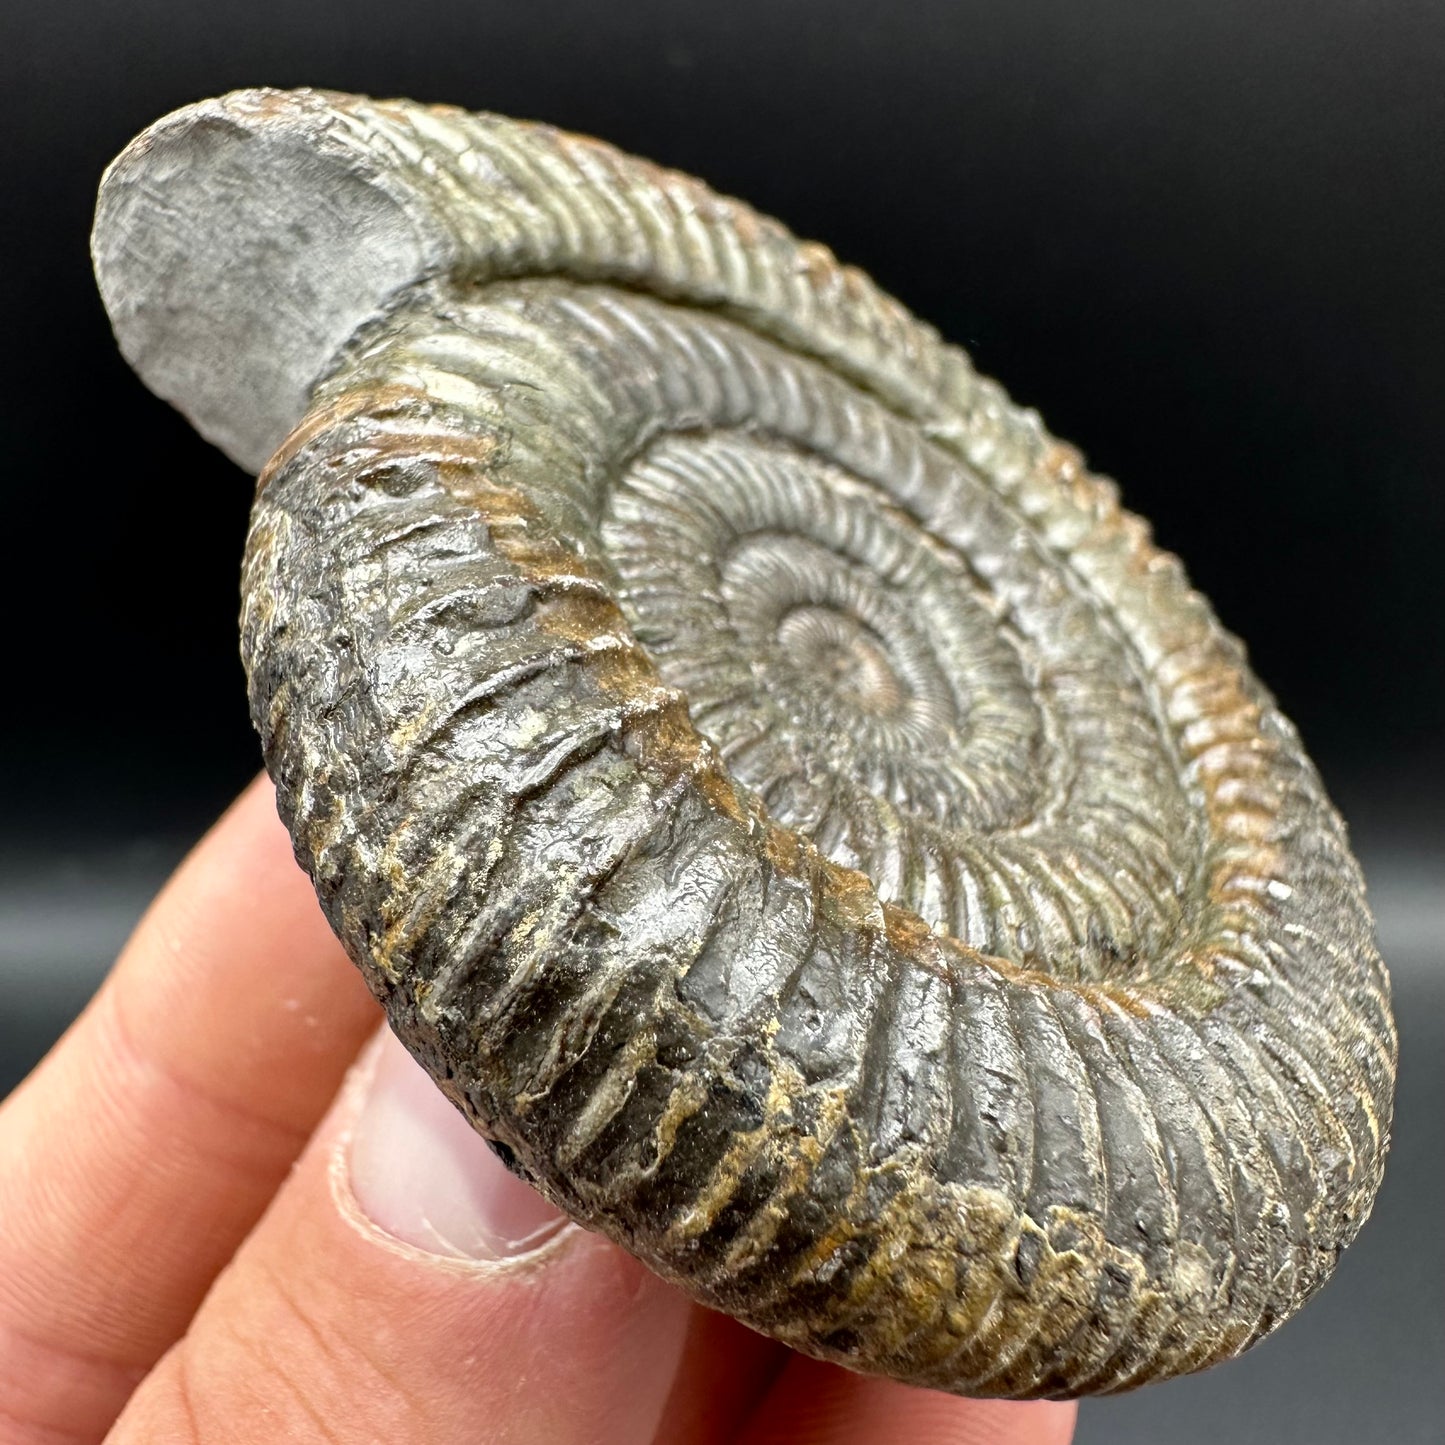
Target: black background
{"points": [[1204, 239]]}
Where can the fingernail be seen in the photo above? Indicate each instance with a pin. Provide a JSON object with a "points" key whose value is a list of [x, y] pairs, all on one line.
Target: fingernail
{"points": [[421, 1174]]}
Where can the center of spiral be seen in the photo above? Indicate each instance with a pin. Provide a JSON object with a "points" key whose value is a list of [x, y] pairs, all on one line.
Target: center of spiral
{"points": [[845, 655], [848, 667]]}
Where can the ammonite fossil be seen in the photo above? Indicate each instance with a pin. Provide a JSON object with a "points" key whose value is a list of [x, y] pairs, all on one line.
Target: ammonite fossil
{"points": [[776, 791]]}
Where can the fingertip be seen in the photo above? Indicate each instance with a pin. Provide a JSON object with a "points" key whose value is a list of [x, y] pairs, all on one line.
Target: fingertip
{"points": [[446, 1315], [158, 1128], [820, 1404], [417, 1172]]}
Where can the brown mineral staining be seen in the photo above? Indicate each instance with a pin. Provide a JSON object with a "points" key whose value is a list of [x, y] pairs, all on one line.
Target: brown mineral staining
{"points": [[773, 786]]}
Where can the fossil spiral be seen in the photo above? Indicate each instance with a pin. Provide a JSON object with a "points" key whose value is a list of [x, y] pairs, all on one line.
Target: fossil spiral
{"points": [[776, 791]]}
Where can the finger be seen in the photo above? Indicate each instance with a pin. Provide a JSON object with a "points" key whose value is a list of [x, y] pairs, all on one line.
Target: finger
{"points": [[817, 1404], [726, 1369], [404, 1286], [148, 1142]]}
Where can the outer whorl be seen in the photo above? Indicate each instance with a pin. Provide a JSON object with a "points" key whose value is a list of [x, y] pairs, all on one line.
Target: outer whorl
{"points": [[780, 796]]}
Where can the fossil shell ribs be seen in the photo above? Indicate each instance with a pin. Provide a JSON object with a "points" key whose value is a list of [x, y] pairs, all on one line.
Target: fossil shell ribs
{"points": [[778, 793]]}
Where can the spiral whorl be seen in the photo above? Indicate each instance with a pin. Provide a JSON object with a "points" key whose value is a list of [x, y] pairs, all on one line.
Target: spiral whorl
{"points": [[781, 797]]}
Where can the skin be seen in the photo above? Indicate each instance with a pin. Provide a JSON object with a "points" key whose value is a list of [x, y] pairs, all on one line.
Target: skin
{"points": [[182, 1256]]}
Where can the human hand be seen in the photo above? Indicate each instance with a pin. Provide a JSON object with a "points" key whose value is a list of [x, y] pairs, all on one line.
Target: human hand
{"points": [[201, 1239]]}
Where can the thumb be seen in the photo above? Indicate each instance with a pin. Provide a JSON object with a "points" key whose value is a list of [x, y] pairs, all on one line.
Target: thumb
{"points": [[404, 1285]]}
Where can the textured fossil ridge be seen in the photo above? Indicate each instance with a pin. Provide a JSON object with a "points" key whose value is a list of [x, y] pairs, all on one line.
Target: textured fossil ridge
{"points": [[775, 790]]}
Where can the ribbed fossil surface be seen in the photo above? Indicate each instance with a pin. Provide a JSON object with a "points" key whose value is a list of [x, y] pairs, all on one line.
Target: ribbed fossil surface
{"points": [[773, 787]]}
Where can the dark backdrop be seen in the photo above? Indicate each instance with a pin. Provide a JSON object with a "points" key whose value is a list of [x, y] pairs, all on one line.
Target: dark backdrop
{"points": [[1202, 236]]}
